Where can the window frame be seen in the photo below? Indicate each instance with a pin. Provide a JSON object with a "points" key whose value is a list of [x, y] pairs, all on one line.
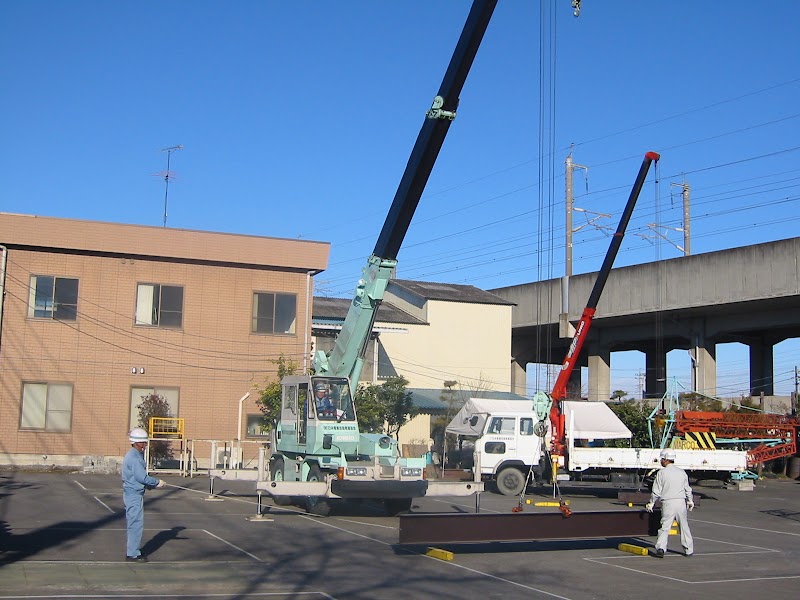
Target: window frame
{"points": [[156, 307], [49, 412], [161, 390], [275, 318], [55, 304]]}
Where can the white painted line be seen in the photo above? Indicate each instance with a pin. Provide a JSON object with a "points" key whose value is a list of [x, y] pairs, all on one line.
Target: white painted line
{"points": [[738, 544], [104, 504], [367, 524], [80, 484], [291, 593], [743, 527], [232, 545], [449, 564], [600, 562], [746, 579]]}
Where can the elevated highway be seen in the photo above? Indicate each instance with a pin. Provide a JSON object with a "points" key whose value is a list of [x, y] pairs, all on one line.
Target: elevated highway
{"points": [[749, 294]]}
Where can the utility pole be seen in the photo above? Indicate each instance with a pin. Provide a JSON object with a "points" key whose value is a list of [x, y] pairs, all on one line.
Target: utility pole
{"points": [[565, 327], [167, 176], [795, 400]]}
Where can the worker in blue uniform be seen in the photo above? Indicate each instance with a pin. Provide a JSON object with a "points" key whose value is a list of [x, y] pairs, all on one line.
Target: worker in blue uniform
{"points": [[672, 487], [135, 481]]}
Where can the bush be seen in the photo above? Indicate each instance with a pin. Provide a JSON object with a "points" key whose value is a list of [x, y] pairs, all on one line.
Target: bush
{"points": [[155, 405]]}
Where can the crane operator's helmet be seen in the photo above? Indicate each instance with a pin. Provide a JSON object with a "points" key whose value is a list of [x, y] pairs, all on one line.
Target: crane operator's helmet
{"points": [[668, 454], [138, 435], [320, 387]]}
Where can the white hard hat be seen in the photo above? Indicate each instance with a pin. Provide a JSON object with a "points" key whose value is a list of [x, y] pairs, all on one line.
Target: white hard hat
{"points": [[138, 435], [668, 454]]}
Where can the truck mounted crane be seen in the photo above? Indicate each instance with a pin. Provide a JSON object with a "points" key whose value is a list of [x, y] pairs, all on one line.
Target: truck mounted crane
{"points": [[552, 405], [320, 452]]}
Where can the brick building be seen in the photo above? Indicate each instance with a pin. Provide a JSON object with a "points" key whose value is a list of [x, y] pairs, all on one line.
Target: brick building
{"points": [[95, 315]]}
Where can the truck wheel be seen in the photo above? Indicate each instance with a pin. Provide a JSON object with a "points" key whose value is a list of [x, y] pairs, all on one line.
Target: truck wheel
{"points": [[510, 481], [276, 474], [317, 505], [394, 506]]}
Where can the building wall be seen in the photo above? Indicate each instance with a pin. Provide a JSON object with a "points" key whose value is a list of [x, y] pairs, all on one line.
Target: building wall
{"points": [[213, 359], [470, 343]]}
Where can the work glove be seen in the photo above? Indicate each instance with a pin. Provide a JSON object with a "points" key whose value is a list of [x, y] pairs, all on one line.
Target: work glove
{"points": [[690, 505], [649, 507], [161, 483]]}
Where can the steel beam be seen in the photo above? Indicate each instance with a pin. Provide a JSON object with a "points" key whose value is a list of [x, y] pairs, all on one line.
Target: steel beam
{"points": [[462, 528]]}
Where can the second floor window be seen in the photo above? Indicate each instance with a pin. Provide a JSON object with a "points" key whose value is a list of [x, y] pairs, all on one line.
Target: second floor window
{"points": [[159, 305], [53, 298], [274, 313]]}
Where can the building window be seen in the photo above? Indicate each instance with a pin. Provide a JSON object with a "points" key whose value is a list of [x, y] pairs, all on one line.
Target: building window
{"points": [[53, 298], [386, 368], [46, 406], [256, 426], [274, 313], [159, 305], [138, 394]]}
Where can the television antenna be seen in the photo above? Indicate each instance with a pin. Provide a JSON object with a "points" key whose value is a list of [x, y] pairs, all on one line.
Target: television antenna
{"points": [[167, 175]]}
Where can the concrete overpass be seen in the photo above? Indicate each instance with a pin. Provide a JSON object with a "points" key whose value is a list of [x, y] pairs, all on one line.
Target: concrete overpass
{"points": [[749, 294]]}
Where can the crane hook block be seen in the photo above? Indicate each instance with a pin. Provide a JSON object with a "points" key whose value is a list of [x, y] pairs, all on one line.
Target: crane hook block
{"points": [[436, 111]]}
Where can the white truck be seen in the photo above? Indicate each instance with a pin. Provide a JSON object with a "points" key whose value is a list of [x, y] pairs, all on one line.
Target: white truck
{"points": [[510, 453]]}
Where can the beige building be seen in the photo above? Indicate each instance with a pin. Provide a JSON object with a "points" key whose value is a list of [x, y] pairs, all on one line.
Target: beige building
{"points": [[431, 333], [96, 315]]}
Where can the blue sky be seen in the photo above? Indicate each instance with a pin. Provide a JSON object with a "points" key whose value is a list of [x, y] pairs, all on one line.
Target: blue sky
{"points": [[297, 119]]}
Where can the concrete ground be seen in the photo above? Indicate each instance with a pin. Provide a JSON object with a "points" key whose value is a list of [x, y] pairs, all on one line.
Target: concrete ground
{"points": [[63, 536]]}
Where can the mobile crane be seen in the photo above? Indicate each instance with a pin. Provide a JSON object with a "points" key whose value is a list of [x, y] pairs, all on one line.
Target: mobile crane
{"points": [[319, 452]]}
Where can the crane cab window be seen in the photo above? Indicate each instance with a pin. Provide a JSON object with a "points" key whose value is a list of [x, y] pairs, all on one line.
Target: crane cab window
{"points": [[332, 399]]}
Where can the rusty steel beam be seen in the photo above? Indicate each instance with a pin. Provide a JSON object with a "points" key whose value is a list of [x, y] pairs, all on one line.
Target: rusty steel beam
{"points": [[465, 528]]}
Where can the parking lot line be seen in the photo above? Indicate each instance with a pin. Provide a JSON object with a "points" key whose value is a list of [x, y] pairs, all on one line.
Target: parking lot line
{"points": [[232, 545]]}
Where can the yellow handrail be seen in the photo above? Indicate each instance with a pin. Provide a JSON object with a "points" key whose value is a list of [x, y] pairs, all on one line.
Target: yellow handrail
{"points": [[166, 428]]}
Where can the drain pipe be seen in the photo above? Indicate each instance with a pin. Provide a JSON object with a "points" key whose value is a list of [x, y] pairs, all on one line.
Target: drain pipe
{"points": [[2, 287], [307, 328]]}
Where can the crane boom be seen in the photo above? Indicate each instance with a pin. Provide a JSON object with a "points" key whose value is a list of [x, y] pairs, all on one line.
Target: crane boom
{"points": [[347, 356], [581, 331]]}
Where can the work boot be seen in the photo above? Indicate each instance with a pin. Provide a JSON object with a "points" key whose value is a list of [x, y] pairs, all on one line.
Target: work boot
{"points": [[659, 553], [140, 559]]}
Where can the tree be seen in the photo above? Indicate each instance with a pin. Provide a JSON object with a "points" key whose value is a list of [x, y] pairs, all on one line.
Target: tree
{"points": [[155, 405], [371, 416], [269, 395], [618, 395], [399, 405], [695, 401], [388, 406], [635, 414]]}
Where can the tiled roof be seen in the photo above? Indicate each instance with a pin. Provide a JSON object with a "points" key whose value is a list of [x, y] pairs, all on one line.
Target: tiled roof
{"points": [[450, 292], [430, 400], [328, 310]]}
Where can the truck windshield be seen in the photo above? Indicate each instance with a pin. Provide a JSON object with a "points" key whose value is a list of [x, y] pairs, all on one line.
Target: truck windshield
{"points": [[332, 399]]}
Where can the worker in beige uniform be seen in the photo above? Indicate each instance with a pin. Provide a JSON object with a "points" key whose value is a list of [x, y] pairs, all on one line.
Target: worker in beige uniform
{"points": [[672, 487]]}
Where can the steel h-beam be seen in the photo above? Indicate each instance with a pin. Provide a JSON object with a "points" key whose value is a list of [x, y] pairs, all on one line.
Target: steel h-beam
{"points": [[467, 528]]}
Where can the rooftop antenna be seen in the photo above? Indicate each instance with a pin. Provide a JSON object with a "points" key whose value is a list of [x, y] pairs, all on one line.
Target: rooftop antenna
{"points": [[167, 176]]}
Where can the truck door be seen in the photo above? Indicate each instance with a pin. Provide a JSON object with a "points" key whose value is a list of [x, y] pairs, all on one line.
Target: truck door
{"points": [[529, 445], [499, 443]]}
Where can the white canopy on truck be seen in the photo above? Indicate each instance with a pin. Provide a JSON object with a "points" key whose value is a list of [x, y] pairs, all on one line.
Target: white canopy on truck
{"points": [[585, 420]]}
